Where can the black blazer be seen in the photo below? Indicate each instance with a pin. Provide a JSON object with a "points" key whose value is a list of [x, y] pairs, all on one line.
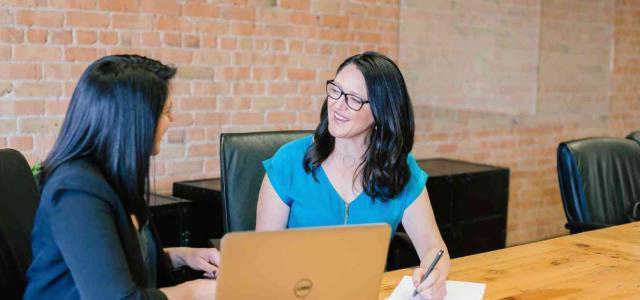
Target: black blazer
{"points": [[84, 243]]}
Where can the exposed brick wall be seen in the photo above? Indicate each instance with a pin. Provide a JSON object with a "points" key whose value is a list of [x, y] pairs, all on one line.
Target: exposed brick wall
{"points": [[260, 65]]}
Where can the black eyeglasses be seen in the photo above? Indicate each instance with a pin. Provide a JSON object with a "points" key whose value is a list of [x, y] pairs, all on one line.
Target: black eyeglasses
{"points": [[353, 102]]}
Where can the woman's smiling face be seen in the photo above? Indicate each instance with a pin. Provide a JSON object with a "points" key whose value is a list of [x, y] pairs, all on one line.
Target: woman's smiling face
{"points": [[345, 122]]}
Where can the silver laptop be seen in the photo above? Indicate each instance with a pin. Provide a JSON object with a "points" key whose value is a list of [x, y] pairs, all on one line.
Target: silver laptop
{"points": [[345, 262]]}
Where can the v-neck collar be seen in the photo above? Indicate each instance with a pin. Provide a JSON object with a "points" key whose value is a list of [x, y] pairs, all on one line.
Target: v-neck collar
{"points": [[326, 177]]}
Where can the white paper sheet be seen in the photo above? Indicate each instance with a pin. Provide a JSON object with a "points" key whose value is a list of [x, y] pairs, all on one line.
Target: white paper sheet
{"points": [[456, 290]]}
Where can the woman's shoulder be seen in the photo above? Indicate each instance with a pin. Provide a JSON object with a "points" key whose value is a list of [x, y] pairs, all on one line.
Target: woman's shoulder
{"points": [[297, 147], [80, 176]]}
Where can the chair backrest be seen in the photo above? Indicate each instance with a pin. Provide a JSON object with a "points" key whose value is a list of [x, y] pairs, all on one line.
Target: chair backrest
{"points": [[241, 156], [19, 199], [599, 179], [634, 136]]}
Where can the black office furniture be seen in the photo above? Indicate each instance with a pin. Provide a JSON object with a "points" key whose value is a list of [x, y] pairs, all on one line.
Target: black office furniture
{"points": [[599, 182], [241, 170], [172, 217], [19, 199]]}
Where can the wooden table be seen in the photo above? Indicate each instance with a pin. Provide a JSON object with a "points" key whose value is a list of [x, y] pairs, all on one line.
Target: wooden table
{"points": [[600, 264]]}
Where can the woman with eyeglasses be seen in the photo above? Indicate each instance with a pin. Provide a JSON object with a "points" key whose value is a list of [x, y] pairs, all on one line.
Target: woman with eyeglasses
{"points": [[357, 167]]}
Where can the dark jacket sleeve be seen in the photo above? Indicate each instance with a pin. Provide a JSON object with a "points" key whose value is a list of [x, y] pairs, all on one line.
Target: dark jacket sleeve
{"points": [[84, 228]]}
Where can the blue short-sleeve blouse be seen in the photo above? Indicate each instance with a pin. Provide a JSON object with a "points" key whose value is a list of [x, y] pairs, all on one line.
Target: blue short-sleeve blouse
{"points": [[317, 203]]}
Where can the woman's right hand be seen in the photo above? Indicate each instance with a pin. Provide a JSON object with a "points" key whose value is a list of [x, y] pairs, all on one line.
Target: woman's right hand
{"points": [[195, 289]]}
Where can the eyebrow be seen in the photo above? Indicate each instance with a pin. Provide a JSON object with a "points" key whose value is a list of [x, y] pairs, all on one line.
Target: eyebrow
{"points": [[352, 93]]}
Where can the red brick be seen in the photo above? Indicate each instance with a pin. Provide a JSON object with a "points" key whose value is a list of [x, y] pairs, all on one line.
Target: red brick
{"points": [[247, 118], [301, 74], [195, 72], [196, 104], [21, 143], [228, 43], [108, 37], [64, 37], [295, 4], [19, 71], [171, 39], [164, 7], [8, 126], [77, 19], [37, 36], [131, 6], [248, 88], [30, 107], [283, 88], [334, 21], [175, 136], [238, 13], [56, 108], [63, 71], [83, 54], [172, 23], [234, 103], [150, 39], [86, 37], [175, 56], [195, 9], [190, 41], [132, 21], [194, 135], [77, 4], [212, 118], [39, 18], [37, 54], [11, 35], [209, 41], [40, 89], [266, 73], [279, 117], [232, 73], [203, 150], [39, 125]]}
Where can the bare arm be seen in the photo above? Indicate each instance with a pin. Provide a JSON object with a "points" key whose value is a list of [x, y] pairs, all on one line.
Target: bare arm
{"points": [[272, 213], [420, 224]]}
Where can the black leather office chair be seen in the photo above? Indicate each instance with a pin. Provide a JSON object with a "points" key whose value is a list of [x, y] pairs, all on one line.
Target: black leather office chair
{"points": [[18, 202], [241, 156], [599, 182], [634, 136]]}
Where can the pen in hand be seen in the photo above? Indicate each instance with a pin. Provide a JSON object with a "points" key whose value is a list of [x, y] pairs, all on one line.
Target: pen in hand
{"points": [[429, 270]]}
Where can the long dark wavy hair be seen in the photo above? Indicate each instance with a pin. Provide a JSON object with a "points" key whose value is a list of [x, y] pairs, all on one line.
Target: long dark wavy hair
{"points": [[111, 121], [384, 169]]}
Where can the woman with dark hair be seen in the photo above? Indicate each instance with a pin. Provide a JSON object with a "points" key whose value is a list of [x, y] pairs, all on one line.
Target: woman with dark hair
{"points": [[357, 167], [92, 237]]}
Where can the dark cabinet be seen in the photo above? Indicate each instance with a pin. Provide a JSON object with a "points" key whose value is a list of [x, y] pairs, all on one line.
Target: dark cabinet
{"points": [[469, 201], [172, 218], [206, 221]]}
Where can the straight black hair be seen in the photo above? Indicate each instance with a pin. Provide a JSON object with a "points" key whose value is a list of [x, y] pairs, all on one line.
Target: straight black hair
{"points": [[384, 169], [111, 121]]}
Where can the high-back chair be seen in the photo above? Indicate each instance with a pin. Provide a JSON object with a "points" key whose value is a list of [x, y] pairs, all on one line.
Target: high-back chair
{"points": [[241, 156], [599, 182], [18, 202]]}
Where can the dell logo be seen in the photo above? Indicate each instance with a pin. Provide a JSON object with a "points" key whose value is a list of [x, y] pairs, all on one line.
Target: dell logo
{"points": [[303, 288]]}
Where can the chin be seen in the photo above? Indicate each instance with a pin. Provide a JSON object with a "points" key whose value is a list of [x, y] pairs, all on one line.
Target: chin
{"points": [[337, 132]]}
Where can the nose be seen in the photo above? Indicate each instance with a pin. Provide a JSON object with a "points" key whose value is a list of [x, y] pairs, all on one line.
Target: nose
{"points": [[341, 103]]}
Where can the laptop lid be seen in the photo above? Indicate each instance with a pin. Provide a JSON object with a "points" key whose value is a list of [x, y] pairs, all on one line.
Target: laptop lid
{"points": [[345, 262]]}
